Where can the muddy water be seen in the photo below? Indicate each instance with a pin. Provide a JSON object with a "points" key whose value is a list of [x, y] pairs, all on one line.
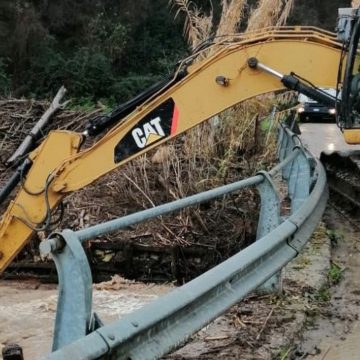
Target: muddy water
{"points": [[334, 334], [27, 310]]}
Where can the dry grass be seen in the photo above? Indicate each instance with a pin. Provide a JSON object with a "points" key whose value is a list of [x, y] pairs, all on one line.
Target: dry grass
{"points": [[269, 13], [231, 16], [210, 155], [197, 26]]}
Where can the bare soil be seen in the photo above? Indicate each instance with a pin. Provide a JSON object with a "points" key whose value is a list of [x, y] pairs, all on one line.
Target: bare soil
{"points": [[333, 331], [316, 317], [266, 327]]}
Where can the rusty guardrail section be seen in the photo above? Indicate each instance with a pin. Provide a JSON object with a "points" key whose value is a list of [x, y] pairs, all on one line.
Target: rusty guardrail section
{"points": [[163, 325]]}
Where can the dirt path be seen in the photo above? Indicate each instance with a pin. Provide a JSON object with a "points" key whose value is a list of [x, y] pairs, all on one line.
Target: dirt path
{"points": [[334, 332], [266, 327]]}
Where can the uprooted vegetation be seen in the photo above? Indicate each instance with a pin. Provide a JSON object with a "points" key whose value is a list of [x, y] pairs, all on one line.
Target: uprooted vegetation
{"points": [[216, 153]]}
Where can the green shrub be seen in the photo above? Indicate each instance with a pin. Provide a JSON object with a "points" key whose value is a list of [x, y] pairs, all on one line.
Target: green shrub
{"points": [[124, 88], [88, 73], [335, 274], [84, 74]]}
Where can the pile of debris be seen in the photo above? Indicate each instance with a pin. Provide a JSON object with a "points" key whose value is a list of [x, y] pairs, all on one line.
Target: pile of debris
{"points": [[176, 247]]}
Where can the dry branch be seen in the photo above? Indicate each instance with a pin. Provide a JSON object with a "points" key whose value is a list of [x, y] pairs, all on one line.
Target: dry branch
{"points": [[27, 143], [266, 321]]}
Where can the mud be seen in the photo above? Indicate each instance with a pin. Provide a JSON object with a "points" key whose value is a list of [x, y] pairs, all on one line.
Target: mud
{"points": [[334, 332], [266, 327]]}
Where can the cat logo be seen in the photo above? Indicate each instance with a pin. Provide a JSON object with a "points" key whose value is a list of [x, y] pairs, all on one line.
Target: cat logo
{"points": [[158, 125], [148, 133]]}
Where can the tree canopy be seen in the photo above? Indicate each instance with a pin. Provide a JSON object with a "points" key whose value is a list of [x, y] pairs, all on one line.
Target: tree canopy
{"points": [[105, 49]]}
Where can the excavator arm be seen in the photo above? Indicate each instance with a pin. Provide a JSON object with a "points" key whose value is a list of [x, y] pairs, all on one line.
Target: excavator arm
{"points": [[224, 79]]}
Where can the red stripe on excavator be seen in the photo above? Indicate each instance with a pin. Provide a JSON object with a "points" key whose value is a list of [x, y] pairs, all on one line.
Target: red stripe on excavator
{"points": [[175, 119]]}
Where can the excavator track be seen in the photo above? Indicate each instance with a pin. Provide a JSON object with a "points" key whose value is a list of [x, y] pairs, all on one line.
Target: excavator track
{"points": [[343, 172]]}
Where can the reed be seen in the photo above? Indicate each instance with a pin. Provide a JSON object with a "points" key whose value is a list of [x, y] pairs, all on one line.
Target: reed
{"points": [[269, 13], [231, 15], [197, 26]]}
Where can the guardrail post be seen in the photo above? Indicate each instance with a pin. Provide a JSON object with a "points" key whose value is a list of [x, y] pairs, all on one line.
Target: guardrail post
{"points": [[73, 313], [290, 145], [299, 180], [290, 121], [313, 175], [269, 219], [271, 122], [282, 143]]}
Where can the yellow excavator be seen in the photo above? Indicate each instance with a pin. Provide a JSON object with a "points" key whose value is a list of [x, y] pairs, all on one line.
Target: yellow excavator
{"points": [[303, 59]]}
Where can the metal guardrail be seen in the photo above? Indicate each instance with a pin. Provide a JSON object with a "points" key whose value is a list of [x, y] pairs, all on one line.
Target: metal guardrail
{"points": [[163, 325]]}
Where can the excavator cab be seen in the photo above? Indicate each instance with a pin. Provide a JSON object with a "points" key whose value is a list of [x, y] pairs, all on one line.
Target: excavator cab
{"points": [[349, 79]]}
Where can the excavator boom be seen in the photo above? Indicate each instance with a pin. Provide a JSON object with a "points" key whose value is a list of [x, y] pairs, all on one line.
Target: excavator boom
{"points": [[210, 86]]}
